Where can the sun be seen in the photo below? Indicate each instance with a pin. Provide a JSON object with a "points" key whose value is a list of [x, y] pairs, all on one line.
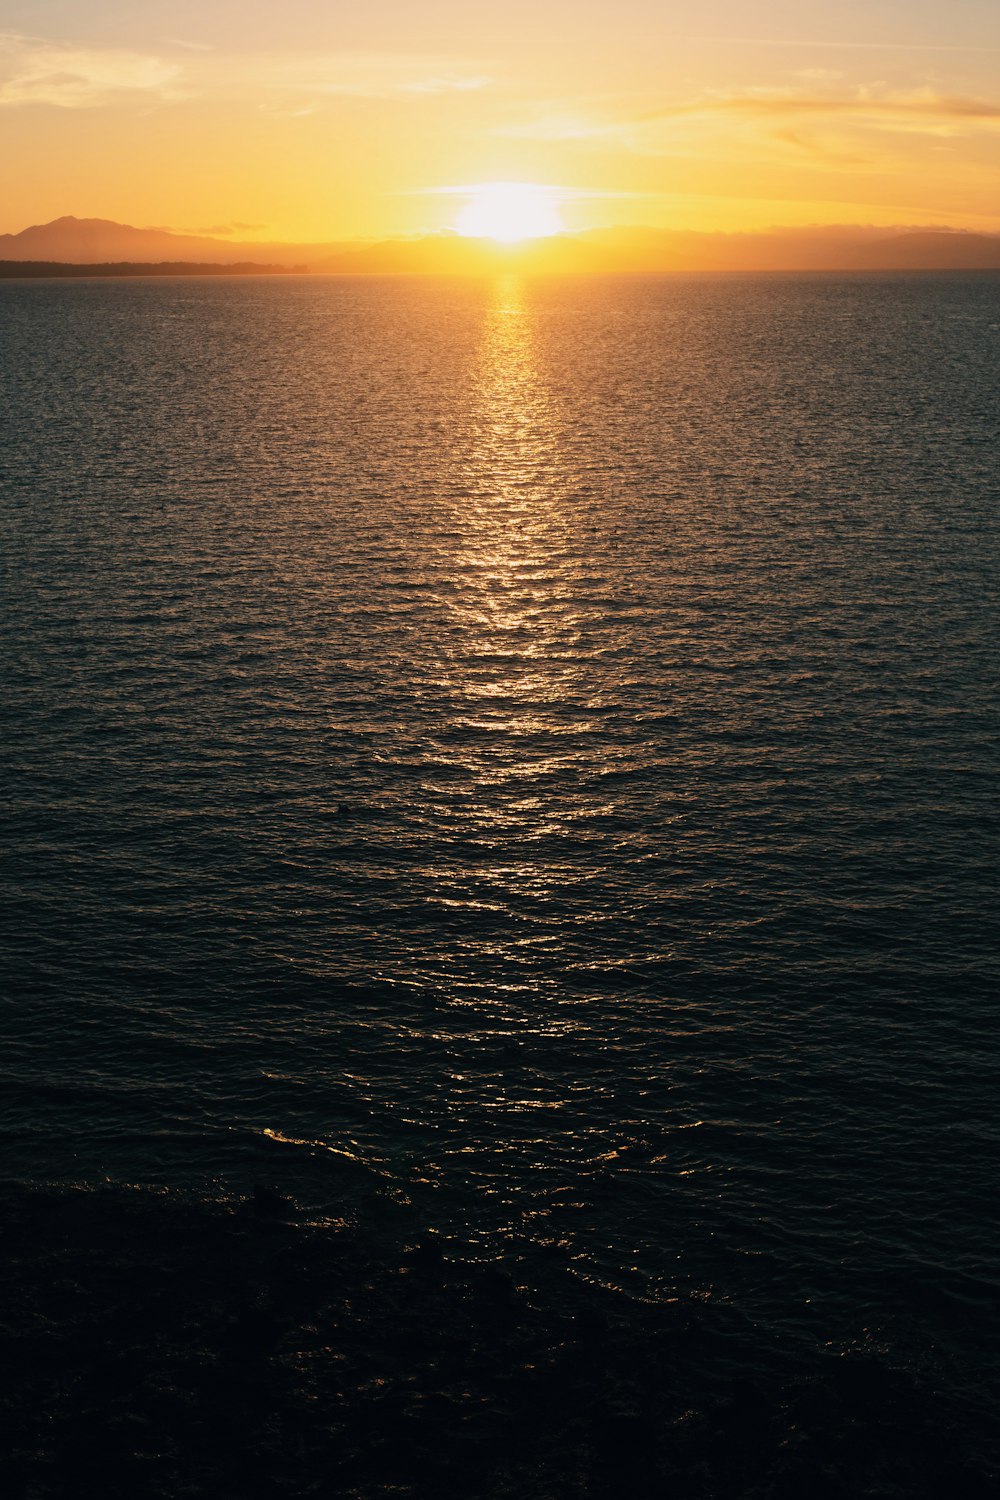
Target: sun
{"points": [[510, 211]]}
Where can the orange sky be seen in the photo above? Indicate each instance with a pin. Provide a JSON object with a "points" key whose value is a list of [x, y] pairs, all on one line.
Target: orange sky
{"points": [[302, 122]]}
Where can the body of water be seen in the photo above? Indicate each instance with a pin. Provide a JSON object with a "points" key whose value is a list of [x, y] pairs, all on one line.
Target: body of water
{"points": [[519, 757]]}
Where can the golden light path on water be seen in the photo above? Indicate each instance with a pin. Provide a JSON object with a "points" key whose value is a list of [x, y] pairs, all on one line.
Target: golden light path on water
{"points": [[511, 607], [523, 674], [516, 672]]}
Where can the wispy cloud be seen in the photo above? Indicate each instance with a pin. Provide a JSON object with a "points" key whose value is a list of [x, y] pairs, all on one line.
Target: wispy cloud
{"points": [[33, 71], [189, 46], [779, 110], [919, 105], [560, 191], [69, 76], [815, 44], [558, 125], [355, 75]]}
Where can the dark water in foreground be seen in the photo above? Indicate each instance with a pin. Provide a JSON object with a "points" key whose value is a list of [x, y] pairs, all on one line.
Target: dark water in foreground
{"points": [[519, 758]]}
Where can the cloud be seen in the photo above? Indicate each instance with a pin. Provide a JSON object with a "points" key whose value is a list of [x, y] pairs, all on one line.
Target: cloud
{"points": [[33, 71], [923, 105], [814, 44], [354, 75], [782, 113], [66, 75], [554, 191], [819, 149], [557, 125]]}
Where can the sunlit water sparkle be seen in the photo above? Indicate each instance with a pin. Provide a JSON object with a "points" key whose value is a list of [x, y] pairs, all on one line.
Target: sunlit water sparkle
{"points": [[519, 754]]}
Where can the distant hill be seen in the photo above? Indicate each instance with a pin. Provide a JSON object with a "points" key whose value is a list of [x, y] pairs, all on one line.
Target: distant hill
{"points": [[819, 248], [96, 241], [930, 251], [32, 270], [82, 242], [651, 251]]}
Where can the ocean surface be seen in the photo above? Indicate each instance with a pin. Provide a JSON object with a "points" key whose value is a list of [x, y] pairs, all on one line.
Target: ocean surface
{"points": [[519, 758]]}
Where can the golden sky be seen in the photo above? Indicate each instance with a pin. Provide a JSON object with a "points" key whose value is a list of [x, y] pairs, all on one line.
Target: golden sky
{"points": [[314, 120]]}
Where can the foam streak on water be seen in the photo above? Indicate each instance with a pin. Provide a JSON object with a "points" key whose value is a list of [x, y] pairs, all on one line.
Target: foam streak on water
{"points": [[524, 747]]}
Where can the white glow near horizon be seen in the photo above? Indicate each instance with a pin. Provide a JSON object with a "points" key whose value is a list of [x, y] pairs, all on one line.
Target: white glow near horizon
{"points": [[510, 211]]}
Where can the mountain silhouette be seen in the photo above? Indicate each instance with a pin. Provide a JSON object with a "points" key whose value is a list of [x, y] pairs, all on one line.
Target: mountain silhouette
{"points": [[95, 241], [622, 250]]}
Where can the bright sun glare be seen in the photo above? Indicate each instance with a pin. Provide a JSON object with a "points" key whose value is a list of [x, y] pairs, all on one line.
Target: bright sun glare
{"points": [[510, 211]]}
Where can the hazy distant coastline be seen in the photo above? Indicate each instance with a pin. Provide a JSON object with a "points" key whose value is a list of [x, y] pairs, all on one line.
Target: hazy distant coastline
{"points": [[94, 247], [27, 270]]}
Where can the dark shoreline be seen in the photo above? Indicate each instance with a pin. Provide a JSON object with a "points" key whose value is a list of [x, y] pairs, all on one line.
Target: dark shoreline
{"points": [[161, 1345]]}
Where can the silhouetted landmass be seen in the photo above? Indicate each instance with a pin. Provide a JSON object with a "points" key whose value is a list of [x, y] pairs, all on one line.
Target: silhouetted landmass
{"points": [[811, 248], [93, 241], [930, 251], [624, 250], [21, 270], [158, 1346], [630, 251]]}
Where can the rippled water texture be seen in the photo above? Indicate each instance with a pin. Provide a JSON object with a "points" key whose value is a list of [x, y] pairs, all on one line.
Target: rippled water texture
{"points": [[520, 748]]}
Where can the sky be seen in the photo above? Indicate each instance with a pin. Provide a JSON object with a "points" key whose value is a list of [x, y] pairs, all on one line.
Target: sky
{"points": [[320, 121]]}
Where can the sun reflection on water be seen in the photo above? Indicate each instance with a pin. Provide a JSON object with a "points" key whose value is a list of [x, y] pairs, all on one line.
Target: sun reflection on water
{"points": [[517, 736], [511, 515]]}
